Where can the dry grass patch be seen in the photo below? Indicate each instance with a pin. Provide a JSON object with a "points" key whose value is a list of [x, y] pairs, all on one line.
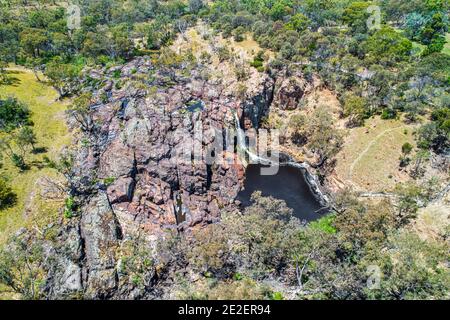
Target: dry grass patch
{"points": [[369, 159], [433, 221]]}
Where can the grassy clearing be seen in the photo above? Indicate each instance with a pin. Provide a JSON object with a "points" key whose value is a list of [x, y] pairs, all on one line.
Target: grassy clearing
{"points": [[433, 221], [248, 45], [369, 159], [33, 208], [247, 48]]}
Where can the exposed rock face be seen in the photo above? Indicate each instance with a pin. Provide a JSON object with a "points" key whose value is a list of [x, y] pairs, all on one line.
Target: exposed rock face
{"points": [[291, 91], [66, 275], [162, 156], [258, 106], [101, 232], [143, 138]]}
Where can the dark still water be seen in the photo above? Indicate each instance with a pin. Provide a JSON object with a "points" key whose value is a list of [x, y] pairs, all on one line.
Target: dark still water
{"points": [[288, 185]]}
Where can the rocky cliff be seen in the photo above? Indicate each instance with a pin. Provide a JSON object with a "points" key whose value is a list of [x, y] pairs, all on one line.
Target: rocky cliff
{"points": [[132, 171], [161, 154]]}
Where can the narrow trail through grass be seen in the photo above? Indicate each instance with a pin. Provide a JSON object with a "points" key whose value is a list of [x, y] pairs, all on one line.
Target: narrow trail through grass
{"points": [[367, 149], [369, 159]]}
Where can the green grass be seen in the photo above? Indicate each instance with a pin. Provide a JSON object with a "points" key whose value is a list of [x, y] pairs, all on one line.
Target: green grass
{"points": [[32, 210], [324, 224]]}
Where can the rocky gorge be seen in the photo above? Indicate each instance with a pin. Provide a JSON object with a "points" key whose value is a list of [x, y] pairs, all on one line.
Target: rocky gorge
{"points": [[127, 172], [224, 150]]}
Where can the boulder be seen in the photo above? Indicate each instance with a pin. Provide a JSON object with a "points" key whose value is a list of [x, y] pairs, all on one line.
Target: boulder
{"points": [[121, 190], [290, 92]]}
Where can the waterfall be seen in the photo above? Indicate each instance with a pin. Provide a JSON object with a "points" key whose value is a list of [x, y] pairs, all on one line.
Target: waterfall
{"points": [[254, 159], [311, 179]]}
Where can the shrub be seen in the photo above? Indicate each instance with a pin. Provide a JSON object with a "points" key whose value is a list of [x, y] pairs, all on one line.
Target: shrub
{"points": [[69, 208], [407, 148], [239, 34], [13, 114], [258, 61], [7, 196], [388, 114], [18, 161], [324, 224], [277, 296], [109, 181]]}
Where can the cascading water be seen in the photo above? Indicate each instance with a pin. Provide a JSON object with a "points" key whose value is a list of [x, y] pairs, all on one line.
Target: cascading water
{"points": [[291, 179], [242, 145]]}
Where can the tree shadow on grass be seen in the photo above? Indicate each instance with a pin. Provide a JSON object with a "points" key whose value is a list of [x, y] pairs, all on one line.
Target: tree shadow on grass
{"points": [[8, 200], [39, 150], [24, 168], [10, 81], [38, 164]]}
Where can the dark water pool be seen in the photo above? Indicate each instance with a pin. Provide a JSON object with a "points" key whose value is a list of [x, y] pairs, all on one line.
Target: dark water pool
{"points": [[288, 185]]}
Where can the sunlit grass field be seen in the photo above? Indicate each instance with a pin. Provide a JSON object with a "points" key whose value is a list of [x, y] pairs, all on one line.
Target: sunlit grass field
{"points": [[33, 209]]}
